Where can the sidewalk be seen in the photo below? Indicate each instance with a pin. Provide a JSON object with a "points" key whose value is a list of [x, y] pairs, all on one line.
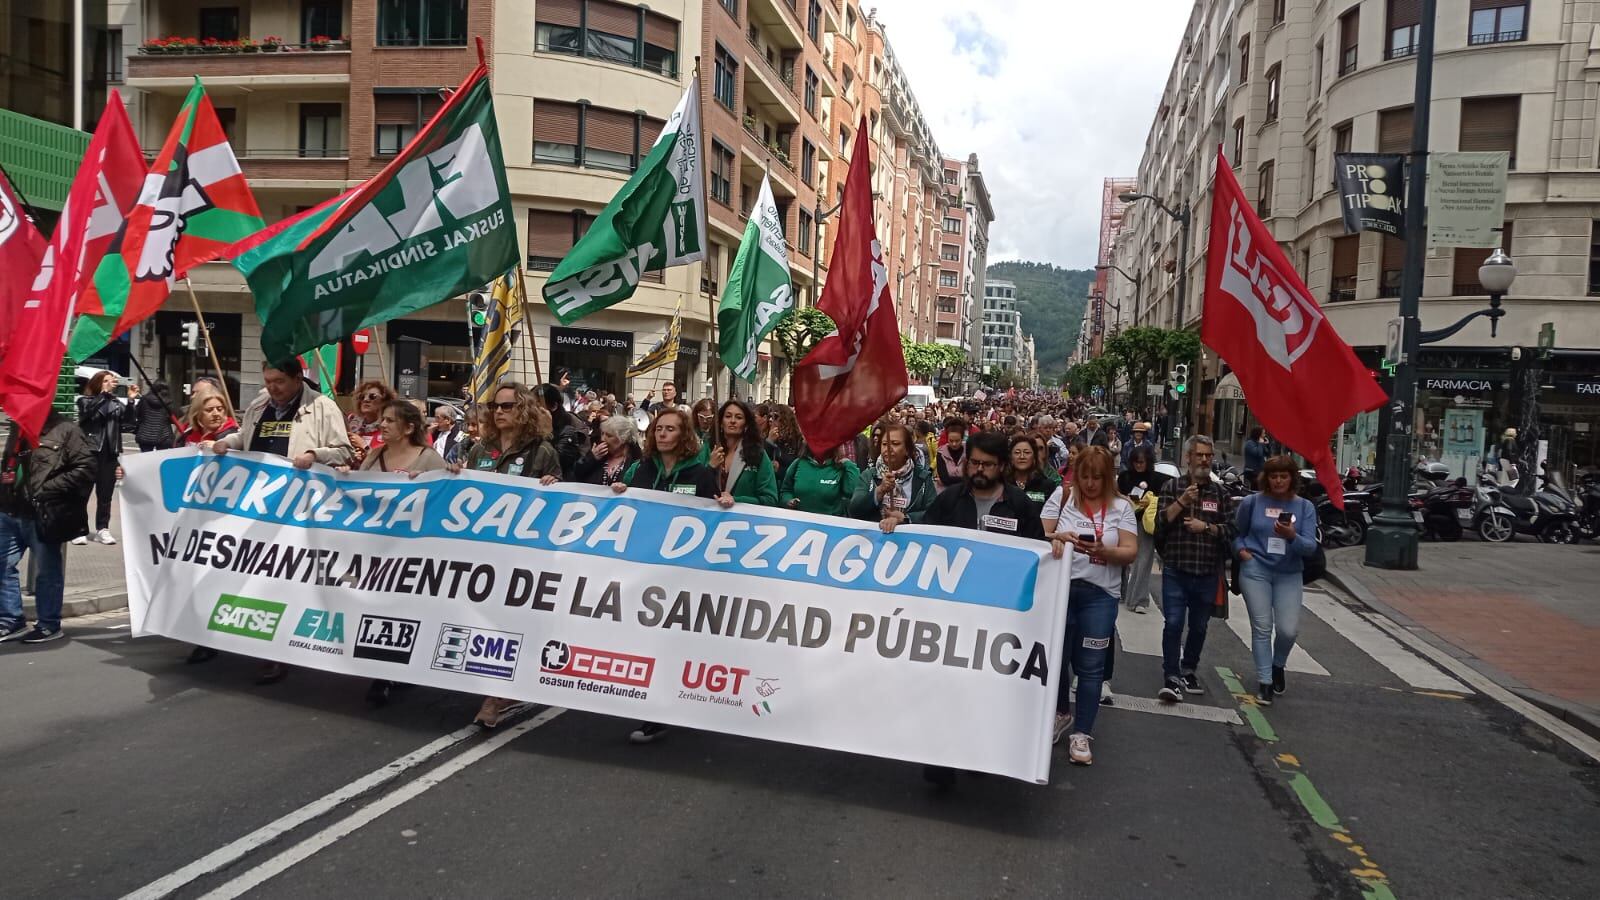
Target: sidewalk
{"points": [[1526, 615]]}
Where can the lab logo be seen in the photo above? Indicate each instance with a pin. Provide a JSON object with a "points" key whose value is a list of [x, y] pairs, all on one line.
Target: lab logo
{"points": [[320, 631], [477, 651], [246, 617], [386, 639]]}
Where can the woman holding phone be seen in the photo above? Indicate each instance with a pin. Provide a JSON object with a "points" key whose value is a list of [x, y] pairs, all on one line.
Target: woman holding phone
{"points": [[1099, 524], [1277, 531], [1141, 484]]}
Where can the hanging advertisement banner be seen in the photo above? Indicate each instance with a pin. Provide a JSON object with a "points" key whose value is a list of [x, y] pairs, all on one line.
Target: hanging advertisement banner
{"points": [[1466, 198], [1371, 191], [931, 645]]}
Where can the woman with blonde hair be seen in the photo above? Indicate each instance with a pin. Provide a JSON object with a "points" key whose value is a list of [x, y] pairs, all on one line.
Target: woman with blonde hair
{"points": [[207, 419], [365, 424], [1098, 522]]}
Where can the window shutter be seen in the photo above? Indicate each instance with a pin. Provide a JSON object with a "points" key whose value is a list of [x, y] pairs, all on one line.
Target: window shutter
{"points": [[394, 109], [1497, 4], [1349, 29], [661, 31], [1394, 130], [1346, 252], [614, 18], [1490, 123], [1465, 277], [607, 129], [559, 12], [549, 233], [555, 123], [1394, 253], [649, 130], [1404, 13]]}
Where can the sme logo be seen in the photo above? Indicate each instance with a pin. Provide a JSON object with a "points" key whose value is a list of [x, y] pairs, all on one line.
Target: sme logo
{"points": [[589, 664], [246, 617], [477, 651]]}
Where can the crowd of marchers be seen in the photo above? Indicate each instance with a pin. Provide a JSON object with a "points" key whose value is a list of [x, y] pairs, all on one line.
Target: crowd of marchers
{"points": [[1033, 466]]}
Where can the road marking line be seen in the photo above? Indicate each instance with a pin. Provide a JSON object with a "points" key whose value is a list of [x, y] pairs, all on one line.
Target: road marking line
{"points": [[1239, 624], [1144, 637], [325, 838], [1247, 706], [1388, 652], [236, 850], [1374, 883], [1180, 710]]}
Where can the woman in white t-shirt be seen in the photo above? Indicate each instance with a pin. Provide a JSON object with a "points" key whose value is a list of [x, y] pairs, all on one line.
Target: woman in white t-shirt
{"points": [[1099, 524]]}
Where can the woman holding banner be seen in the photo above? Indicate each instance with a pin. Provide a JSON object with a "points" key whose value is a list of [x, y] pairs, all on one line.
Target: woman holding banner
{"points": [[894, 490], [405, 443], [820, 486], [208, 419], [1099, 524], [745, 473]]}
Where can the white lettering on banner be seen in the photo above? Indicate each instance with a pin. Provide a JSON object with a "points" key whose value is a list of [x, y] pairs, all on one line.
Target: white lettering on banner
{"points": [[443, 579], [602, 280], [1286, 320]]}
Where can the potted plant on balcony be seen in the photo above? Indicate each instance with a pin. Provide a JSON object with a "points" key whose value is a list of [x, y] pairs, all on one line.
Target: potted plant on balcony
{"points": [[154, 45], [230, 46], [184, 45], [750, 124], [320, 42], [247, 45], [271, 43]]}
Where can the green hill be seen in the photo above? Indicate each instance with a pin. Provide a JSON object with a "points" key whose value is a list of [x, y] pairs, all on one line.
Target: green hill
{"points": [[1051, 301]]}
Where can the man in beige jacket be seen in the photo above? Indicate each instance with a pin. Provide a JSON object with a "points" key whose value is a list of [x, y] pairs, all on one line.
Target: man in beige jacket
{"points": [[293, 420]]}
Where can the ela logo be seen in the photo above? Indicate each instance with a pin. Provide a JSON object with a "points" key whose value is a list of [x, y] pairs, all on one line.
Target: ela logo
{"points": [[321, 631], [477, 651], [246, 617], [386, 639]]}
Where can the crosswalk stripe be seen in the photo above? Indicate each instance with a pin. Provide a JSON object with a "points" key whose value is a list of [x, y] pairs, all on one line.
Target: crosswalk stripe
{"points": [[1201, 711], [1142, 634], [1239, 623], [1355, 628]]}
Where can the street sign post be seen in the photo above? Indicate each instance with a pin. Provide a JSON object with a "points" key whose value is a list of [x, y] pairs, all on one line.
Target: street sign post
{"points": [[360, 341]]}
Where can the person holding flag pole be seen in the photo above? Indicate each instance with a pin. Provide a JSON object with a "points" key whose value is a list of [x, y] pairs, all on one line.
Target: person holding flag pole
{"points": [[759, 293]]}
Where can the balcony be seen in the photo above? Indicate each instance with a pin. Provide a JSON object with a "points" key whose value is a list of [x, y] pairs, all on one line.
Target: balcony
{"points": [[291, 168], [292, 67], [773, 160], [767, 93], [781, 18]]}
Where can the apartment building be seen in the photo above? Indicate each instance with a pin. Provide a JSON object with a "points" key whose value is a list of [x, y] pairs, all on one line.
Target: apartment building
{"points": [[1001, 325], [1283, 85], [963, 255]]}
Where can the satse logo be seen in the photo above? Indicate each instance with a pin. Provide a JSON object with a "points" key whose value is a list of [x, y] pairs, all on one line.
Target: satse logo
{"points": [[477, 651], [1286, 320], [246, 617], [321, 631], [386, 639]]}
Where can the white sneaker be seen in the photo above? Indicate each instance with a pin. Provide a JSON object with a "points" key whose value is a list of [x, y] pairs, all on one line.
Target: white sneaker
{"points": [[104, 537], [1106, 697], [1063, 722], [80, 540], [1078, 752]]}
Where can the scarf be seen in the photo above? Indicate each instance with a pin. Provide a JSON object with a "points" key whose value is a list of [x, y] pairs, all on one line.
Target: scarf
{"points": [[901, 498]]}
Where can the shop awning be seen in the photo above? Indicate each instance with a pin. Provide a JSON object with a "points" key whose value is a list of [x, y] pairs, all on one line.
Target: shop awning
{"points": [[1228, 388]]}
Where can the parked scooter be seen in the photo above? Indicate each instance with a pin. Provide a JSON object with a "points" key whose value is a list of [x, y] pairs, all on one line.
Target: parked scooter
{"points": [[1491, 518], [1589, 513], [1549, 513], [1444, 512]]}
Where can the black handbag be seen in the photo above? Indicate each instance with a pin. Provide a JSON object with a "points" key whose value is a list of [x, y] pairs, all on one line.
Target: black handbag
{"points": [[1315, 566], [61, 522]]}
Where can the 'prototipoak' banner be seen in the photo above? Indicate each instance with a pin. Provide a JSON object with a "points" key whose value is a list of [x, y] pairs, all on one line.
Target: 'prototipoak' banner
{"points": [[931, 644]]}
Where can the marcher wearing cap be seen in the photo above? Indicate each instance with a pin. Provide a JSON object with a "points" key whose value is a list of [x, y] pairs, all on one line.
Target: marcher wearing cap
{"points": [[1141, 438]]}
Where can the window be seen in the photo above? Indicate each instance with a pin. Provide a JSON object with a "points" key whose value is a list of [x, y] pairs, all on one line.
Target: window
{"points": [[1273, 79], [576, 134], [731, 7], [1594, 258], [1277, 11], [1403, 17], [608, 139], [807, 229], [952, 225], [950, 252], [1394, 130], [551, 234], [1310, 178], [228, 118], [848, 82], [1341, 144], [1264, 190], [397, 116], [1494, 21], [844, 139], [1342, 281], [1490, 123], [721, 174], [948, 279], [811, 92], [114, 55], [814, 21], [321, 17], [422, 23], [1244, 59], [1464, 280], [1349, 37], [1316, 71], [1238, 142], [221, 23], [557, 130], [724, 78], [321, 130], [850, 23], [1392, 263], [607, 31], [808, 161]]}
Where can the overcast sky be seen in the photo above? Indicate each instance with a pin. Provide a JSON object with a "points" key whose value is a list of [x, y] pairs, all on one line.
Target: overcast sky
{"points": [[1053, 95]]}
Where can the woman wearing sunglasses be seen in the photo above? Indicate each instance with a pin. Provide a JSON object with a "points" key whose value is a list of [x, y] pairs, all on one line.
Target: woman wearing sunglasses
{"points": [[365, 425]]}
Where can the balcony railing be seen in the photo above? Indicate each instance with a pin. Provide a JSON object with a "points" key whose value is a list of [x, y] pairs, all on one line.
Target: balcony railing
{"points": [[785, 78], [778, 154], [212, 63], [1343, 288], [1495, 37]]}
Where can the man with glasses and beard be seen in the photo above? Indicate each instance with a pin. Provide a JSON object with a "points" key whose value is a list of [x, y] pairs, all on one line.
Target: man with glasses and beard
{"points": [[1194, 535], [984, 502]]}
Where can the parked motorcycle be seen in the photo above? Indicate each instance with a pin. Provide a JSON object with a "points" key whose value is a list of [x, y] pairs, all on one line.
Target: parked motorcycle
{"points": [[1444, 513], [1549, 513], [1491, 518], [1589, 513]]}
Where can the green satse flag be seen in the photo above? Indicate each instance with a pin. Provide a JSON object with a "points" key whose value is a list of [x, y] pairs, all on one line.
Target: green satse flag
{"points": [[657, 221], [435, 222], [758, 295]]}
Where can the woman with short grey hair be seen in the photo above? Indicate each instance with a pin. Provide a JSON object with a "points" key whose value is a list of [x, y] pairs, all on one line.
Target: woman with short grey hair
{"points": [[612, 454]]}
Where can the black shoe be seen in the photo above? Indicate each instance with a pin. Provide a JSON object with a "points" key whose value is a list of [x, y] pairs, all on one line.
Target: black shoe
{"points": [[1279, 684], [1192, 685], [40, 634], [14, 631], [1264, 694], [939, 776], [1172, 691], [378, 693], [647, 732], [200, 655], [271, 673]]}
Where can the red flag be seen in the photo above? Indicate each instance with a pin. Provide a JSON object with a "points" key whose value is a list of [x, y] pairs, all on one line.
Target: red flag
{"points": [[1300, 379], [104, 189], [858, 373], [21, 248]]}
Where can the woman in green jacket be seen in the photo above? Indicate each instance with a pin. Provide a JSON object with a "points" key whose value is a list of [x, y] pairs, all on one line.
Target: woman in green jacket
{"points": [[895, 489], [744, 471], [820, 486]]}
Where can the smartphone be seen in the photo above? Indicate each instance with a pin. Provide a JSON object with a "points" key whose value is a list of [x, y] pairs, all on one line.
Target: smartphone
{"points": [[1284, 518], [1086, 538]]}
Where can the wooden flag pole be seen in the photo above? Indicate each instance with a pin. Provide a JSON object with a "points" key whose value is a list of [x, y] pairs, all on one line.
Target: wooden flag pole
{"points": [[711, 354], [211, 348], [527, 328]]}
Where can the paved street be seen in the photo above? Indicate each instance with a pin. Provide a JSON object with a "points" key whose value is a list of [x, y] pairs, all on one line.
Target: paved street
{"points": [[1384, 776]]}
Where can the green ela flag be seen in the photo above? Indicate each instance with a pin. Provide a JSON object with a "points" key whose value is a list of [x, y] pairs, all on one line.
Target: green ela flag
{"points": [[435, 222], [758, 295], [657, 221]]}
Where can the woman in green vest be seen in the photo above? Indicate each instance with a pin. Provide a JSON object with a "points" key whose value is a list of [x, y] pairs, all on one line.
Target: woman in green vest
{"points": [[820, 486], [744, 471]]}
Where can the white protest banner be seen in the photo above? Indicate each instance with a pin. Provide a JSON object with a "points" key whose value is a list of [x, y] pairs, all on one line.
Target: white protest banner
{"points": [[932, 645], [1466, 198]]}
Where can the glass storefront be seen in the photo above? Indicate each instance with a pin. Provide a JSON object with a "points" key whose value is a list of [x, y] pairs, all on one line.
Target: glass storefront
{"points": [[594, 359], [449, 355]]}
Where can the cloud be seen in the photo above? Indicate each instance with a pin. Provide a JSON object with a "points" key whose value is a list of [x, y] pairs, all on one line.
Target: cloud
{"points": [[1053, 95]]}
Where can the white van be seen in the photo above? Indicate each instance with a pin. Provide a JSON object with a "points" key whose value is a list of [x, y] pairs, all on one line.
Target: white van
{"points": [[919, 395]]}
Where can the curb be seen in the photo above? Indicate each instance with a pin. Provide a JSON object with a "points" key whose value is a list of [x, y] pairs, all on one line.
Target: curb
{"points": [[1564, 710], [72, 607]]}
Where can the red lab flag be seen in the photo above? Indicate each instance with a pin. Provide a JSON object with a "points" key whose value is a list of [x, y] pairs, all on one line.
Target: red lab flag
{"points": [[21, 248], [103, 190], [858, 373], [1300, 379]]}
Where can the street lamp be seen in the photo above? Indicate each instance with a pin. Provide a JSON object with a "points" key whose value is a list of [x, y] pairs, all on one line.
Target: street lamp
{"points": [[1182, 216], [1133, 278]]}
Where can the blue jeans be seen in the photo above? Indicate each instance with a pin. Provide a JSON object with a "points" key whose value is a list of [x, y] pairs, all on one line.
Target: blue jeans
{"points": [[1184, 596], [1273, 599], [1091, 619], [16, 535]]}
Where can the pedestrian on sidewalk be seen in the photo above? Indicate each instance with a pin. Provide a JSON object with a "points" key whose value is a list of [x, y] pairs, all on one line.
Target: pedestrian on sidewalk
{"points": [[1277, 531], [1255, 457], [1141, 484], [44, 495], [1194, 536], [154, 420], [103, 417]]}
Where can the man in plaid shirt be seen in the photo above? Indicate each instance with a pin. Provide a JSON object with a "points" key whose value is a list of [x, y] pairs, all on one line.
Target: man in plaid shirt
{"points": [[1193, 529]]}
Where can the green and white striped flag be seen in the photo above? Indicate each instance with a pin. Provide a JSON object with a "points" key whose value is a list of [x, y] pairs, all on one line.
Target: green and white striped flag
{"points": [[657, 221], [758, 295]]}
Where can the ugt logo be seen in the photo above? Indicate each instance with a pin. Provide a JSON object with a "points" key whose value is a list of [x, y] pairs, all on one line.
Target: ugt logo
{"points": [[1286, 319]]}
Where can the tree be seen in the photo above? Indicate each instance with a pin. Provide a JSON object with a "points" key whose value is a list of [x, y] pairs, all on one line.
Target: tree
{"points": [[1100, 372], [922, 360], [1182, 346], [1140, 351], [801, 330]]}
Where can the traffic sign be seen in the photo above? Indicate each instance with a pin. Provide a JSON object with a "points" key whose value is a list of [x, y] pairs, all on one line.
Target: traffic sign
{"points": [[360, 341]]}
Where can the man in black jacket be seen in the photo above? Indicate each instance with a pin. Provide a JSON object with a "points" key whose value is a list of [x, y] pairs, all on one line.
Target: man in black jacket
{"points": [[570, 434], [43, 495]]}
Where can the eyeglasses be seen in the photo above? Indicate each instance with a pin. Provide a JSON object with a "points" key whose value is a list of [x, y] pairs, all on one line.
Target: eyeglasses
{"points": [[983, 465], [372, 395], [505, 406]]}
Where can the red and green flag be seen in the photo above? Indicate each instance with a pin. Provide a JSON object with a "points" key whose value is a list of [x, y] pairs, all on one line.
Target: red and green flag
{"points": [[194, 201]]}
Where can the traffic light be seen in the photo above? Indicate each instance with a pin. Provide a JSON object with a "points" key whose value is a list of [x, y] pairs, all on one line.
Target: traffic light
{"points": [[1180, 377], [478, 309], [191, 335]]}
